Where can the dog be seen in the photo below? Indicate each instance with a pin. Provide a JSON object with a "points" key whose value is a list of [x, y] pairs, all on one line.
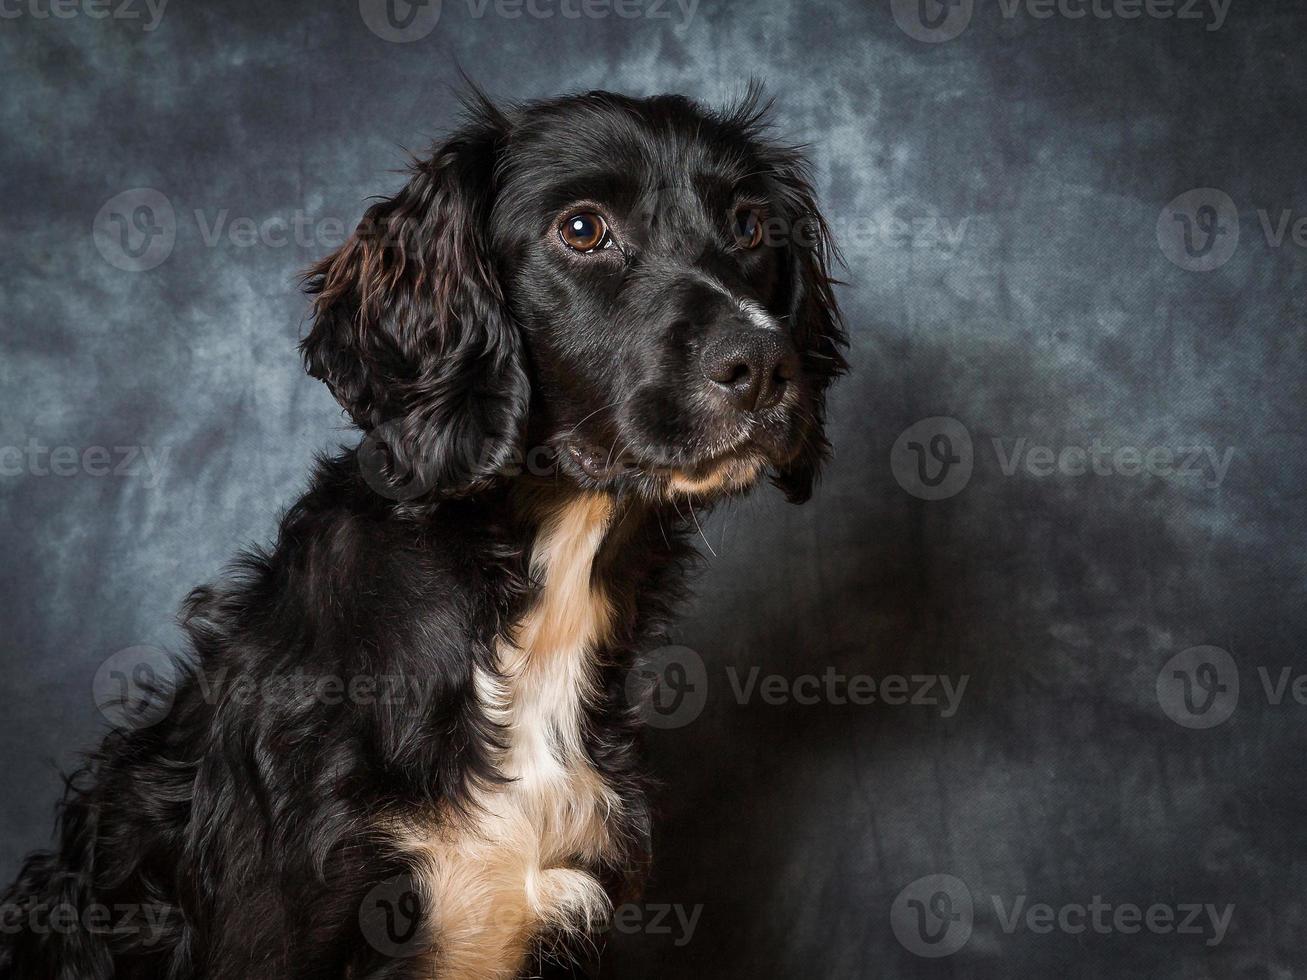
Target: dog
{"points": [[580, 319]]}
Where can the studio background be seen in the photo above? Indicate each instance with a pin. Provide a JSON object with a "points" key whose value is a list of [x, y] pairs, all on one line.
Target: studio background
{"points": [[1001, 198]]}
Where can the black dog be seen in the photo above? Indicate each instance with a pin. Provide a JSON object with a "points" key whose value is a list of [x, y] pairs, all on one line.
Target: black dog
{"points": [[579, 319]]}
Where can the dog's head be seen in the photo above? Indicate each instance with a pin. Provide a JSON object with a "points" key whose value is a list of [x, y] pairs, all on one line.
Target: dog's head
{"points": [[637, 288]]}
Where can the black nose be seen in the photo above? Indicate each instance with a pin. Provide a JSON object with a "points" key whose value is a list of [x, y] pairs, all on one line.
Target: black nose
{"points": [[751, 367]]}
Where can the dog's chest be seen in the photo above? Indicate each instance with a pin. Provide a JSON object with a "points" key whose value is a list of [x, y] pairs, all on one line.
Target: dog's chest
{"points": [[546, 679], [521, 862]]}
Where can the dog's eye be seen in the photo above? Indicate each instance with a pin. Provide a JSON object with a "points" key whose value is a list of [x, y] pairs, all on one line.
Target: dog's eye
{"points": [[584, 232], [748, 227]]}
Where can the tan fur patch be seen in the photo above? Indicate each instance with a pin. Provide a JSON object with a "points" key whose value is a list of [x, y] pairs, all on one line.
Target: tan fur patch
{"points": [[498, 878], [734, 474]]}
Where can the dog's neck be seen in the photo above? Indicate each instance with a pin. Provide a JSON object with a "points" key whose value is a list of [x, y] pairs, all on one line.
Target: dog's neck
{"points": [[570, 606], [579, 529]]}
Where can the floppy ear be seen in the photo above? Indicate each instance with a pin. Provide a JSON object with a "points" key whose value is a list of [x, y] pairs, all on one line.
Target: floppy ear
{"points": [[410, 330], [814, 316]]}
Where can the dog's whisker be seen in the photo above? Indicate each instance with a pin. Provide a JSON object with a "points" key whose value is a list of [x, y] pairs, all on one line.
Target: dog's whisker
{"points": [[620, 401], [730, 507], [690, 504], [625, 446]]}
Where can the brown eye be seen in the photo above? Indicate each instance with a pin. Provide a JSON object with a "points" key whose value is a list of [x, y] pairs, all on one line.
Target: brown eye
{"points": [[584, 232], [748, 227]]}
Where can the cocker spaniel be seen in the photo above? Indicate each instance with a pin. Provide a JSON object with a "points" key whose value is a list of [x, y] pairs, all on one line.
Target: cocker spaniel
{"points": [[402, 745]]}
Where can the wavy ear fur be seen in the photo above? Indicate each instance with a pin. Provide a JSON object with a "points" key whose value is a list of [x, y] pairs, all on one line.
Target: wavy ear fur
{"points": [[818, 328], [814, 316], [410, 330]]}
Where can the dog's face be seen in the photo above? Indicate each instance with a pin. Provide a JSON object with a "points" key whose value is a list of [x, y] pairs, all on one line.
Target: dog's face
{"points": [[631, 292]]}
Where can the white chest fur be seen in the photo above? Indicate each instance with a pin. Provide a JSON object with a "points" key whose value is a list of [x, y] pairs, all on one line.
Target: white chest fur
{"points": [[515, 867]]}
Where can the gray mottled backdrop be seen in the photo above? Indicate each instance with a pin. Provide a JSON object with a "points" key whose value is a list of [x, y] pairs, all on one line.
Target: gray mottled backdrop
{"points": [[1067, 508]]}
